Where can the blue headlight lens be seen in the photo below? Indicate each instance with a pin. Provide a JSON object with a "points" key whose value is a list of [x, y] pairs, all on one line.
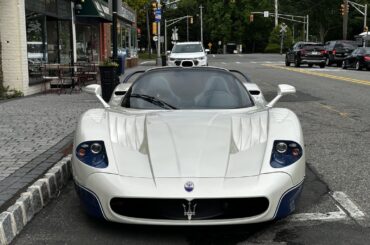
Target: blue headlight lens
{"points": [[285, 153], [92, 153]]}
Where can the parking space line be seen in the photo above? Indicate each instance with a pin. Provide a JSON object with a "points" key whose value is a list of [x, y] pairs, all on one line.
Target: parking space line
{"points": [[330, 216], [348, 205], [346, 79]]}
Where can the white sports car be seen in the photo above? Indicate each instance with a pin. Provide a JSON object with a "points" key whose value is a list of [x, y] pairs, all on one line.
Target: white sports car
{"points": [[189, 146]]}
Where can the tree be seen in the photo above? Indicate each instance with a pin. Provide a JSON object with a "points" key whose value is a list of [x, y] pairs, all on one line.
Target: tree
{"points": [[275, 40]]}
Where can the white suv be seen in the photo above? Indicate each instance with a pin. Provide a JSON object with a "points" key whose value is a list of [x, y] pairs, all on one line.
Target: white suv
{"points": [[188, 54]]}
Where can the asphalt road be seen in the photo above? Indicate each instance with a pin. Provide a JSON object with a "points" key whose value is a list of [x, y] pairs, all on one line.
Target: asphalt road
{"points": [[333, 106]]}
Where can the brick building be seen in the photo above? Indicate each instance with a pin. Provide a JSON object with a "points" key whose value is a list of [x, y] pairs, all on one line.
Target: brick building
{"points": [[35, 32]]}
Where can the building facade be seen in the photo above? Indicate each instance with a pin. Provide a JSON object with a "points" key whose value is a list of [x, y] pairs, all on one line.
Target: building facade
{"points": [[37, 32]]}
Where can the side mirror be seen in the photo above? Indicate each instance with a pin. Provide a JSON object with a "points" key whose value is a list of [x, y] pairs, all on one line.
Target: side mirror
{"points": [[283, 89], [168, 52], [95, 89]]}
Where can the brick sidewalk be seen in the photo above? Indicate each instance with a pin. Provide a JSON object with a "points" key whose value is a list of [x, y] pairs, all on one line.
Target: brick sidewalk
{"points": [[33, 131]]}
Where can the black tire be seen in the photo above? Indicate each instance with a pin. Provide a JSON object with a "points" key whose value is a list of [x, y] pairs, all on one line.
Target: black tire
{"points": [[344, 66], [310, 65], [322, 65], [358, 66], [296, 63], [287, 63], [339, 64]]}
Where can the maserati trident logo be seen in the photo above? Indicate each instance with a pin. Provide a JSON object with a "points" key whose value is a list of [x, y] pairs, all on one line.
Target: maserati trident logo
{"points": [[189, 210], [189, 186]]}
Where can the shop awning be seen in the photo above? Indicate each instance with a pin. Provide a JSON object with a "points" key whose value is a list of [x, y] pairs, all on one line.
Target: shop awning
{"points": [[94, 9]]}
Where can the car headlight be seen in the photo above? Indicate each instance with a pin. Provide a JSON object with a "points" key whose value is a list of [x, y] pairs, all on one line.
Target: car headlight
{"points": [[92, 153], [285, 153], [201, 58]]}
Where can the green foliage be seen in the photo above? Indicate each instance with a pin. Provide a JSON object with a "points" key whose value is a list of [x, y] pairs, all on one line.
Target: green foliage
{"points": [[109, 62], [275, 41], [6, 93]]}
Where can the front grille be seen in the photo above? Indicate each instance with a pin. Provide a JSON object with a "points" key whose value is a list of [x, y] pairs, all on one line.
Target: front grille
{"points": [[205, 209]]}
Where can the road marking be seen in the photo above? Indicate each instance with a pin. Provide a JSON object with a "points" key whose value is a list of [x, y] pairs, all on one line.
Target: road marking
{"points": [[214, 56], [348, 205], [330, 216], [224, 63], [309, 72], [145, 62], [330, 108], [237, 62]]}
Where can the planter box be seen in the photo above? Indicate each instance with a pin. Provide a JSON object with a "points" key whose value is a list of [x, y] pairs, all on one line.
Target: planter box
{"points": [[108, 80]]}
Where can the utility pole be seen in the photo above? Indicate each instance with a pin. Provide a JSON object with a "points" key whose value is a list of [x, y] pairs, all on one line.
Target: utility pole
{"points": [[201, 23], [365, 25], [114, 29], [148, 29], [345, 19], [159, 60], [187, 29], [308, 27], [276, 13]]}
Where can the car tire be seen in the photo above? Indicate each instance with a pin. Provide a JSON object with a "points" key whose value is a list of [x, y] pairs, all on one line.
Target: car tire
{"points": [[322, 65], [296, 63], [310, 65], [358, 66], [287, 63], [344, 66]]}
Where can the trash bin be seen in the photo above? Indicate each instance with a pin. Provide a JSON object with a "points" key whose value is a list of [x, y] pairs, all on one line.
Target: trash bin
{"points": [[121, 64], [109, 81], [164, 60]]}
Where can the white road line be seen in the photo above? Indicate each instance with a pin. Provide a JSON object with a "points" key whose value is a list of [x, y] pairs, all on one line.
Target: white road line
{"points": [[224, 63], [145, 62], [253, 62], [330, 216], [214, 56], [348, 205], [237, 62]]}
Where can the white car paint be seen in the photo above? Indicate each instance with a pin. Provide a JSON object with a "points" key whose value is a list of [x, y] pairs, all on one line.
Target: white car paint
{"points": [[153, 153], [200, 57]]}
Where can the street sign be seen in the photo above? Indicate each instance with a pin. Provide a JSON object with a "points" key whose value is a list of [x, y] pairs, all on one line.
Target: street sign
{"points": [[266, 14], [155, 38], [283, 28], [158, 15]]}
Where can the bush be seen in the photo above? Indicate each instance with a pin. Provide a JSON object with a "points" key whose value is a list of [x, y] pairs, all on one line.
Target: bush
{"points": [[272, 48], [6, 93]]}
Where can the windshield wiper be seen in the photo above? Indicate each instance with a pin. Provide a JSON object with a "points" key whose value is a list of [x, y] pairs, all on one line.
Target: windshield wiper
{"points": [[154, 101]]}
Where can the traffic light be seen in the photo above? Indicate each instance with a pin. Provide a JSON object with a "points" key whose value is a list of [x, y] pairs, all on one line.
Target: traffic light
{"points": [[342, 9], [191, 20], [251, 18], [154, 28]]}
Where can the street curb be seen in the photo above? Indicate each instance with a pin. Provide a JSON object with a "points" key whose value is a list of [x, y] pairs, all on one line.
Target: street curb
{"points": [[33, 200]]}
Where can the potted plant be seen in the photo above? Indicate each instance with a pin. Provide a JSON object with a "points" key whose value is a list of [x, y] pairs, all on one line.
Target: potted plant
{"points": [[108, 77]]}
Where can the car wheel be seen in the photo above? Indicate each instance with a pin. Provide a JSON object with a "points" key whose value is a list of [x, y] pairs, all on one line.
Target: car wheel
{"points": [[310, 65], [344, 66], [358, 66], [287, 63], [296, 63], [322, 65]]}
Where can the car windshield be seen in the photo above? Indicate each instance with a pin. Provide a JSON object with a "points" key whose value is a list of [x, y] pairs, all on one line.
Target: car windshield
{"points": [[313, 46], [187, 89], [187, 48]]}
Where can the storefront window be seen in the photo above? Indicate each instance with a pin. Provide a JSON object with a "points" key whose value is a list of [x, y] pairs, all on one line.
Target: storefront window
{"points": [[65, 42], [36, 46], [88, 43]]}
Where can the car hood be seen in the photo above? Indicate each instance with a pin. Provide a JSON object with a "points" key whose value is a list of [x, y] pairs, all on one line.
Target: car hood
{"points": [[188, 144], [186, 55]]}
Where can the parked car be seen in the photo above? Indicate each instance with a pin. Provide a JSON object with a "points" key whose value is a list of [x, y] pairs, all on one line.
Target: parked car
{"points": [[188, 146], [306, 53], [188, 54], [337, 50], [358, 59]]}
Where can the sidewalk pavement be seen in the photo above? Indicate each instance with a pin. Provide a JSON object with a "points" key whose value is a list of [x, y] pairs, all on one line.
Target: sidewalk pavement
{"points": [[36, 132]]}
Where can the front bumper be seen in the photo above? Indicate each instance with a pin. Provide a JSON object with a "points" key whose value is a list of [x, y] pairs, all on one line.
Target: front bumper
{"points": [[187, 62], [276, 187]]}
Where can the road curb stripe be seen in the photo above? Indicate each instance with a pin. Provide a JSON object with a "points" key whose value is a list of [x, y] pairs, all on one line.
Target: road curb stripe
{"points": [[346, 79], [33, 200]]}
